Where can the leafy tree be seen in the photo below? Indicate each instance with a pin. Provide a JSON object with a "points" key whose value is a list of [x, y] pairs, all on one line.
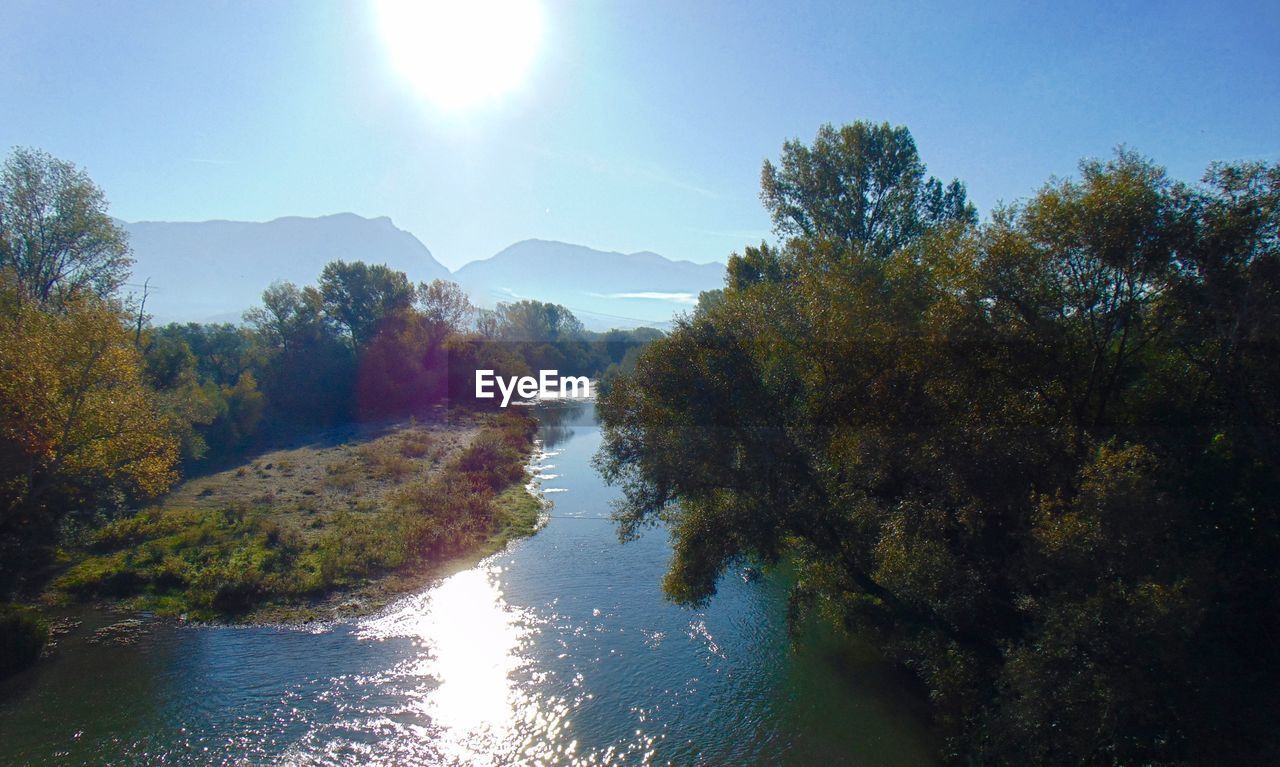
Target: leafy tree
{"points": [[309, 371], [404, 368], [446, 305], [862, 183], [56, 239], [223, 352], [290, 317], [708, 300], [537, 321], [80, 428], [358, 296], [1035, 460], [203, 377], [754, 266]]}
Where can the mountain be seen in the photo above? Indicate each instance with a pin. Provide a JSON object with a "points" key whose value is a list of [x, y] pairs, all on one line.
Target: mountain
{"points": [[211, 271], [604, 289]]}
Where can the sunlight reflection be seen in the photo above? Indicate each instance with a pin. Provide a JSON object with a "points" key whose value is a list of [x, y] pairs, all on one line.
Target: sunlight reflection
{"points": [[473, 640]]}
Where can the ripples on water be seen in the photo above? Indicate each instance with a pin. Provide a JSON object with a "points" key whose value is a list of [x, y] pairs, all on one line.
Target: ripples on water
{"points": [[560, 650]]}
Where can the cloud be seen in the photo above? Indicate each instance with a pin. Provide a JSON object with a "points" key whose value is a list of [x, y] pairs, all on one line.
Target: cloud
{"points": [[654, 295]]}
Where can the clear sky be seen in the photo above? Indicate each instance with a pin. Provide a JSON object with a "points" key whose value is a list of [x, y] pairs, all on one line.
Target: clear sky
{"points": [[638, 125]]}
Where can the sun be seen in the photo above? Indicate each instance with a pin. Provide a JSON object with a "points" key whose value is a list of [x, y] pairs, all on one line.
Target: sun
{"points": [[461, 53]]}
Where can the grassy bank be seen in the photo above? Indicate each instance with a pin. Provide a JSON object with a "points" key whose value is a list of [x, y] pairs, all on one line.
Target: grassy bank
{"points": [[294, 531]]}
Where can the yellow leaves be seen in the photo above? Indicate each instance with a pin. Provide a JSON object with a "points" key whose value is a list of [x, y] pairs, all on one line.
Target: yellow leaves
{"points": [[75, 406], [1115, 509]]}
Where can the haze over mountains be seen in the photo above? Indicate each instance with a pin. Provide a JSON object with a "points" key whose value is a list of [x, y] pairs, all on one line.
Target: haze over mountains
{"points": [[604, 289], [211, 271]]}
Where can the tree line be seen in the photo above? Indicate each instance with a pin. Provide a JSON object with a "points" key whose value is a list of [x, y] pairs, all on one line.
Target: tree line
{"points": [[100, 411], [1035, 458]]}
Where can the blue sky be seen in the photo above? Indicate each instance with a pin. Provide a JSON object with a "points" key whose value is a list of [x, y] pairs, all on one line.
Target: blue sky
{"points": [[640, 125]]}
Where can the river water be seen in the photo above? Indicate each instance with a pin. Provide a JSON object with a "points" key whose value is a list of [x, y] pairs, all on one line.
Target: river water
{"points": [[559, 650]]}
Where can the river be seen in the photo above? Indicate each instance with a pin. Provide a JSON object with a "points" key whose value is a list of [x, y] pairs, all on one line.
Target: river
{"points": [[559, 650]]}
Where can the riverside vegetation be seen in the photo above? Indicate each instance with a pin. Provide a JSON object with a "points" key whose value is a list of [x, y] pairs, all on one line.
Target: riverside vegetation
{"points": [[101, 414], [1036, 460], [373, 516]]}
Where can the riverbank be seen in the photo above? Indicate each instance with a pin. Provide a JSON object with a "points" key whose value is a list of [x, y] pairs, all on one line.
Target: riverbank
{"points": [[318, 531]]}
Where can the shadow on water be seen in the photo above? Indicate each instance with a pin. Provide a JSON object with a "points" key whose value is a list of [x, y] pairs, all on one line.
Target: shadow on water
{"points": [[560, 649]]}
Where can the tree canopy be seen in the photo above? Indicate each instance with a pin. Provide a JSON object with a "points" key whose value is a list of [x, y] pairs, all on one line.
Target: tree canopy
{"points": [[860, 184], [78, 425], [56, 239], [1036, 459], [358, 296]]}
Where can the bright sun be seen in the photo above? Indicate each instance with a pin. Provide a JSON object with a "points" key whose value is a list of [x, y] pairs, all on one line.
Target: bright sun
{"points": [[460, 53]]}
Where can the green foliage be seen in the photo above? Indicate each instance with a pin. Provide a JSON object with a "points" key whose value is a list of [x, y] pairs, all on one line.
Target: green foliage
{"points": [[404, 368], [1036, 459], [358, 297], [23, 635], [56, 239], [445, 306], [203, 378], [79, 429], [862, 184], [309, 371]]}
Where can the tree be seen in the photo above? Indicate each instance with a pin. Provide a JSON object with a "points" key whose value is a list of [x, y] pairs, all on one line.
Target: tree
{"points": [[56, 239], [404, 368], [358, 297], [78, 425], [527, 321], [1036, 461], [203, 378], [446, 305], [863, 183], [289, 317], [309, 370]]}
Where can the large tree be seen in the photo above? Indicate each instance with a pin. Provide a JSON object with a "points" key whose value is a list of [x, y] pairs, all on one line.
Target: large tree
{"points": [[1037, 460], [861, 183], [359, 297], [79, 427], [445, 305], [56, 239], [309, 368]]}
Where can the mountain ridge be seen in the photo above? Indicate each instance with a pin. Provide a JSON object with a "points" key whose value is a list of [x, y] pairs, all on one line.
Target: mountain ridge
{"points": [[212, 270]]}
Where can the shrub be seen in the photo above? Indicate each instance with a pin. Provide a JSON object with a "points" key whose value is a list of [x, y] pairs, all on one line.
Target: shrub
{"points": [[23, 635], [492, 459], [416, 444]]}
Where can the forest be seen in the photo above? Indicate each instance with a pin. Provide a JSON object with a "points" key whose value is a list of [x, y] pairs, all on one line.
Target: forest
{"points": [[1033, 458]]}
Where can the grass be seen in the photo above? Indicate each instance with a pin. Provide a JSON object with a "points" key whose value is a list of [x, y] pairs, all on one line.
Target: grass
{"points": [[424, 498]]}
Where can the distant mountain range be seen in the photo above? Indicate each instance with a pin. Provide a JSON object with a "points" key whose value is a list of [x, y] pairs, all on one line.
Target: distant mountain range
{"points": [[211, 271], [604, 289]]}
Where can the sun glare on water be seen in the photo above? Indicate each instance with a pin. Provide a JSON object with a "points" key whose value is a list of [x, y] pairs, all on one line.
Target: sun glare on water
{"points": [[461, 53]]}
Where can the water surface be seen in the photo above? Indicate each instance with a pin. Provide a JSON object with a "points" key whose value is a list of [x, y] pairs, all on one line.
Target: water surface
{"points": [[560, 650]]}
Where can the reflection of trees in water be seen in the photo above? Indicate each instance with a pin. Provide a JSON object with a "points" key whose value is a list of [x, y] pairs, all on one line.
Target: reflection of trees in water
{"points": [[555, 435], [557, 419], [568, 412]]}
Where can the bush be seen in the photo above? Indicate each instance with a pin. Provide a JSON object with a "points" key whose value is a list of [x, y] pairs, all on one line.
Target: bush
{"points": [[23, 635], [493, 460]]}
